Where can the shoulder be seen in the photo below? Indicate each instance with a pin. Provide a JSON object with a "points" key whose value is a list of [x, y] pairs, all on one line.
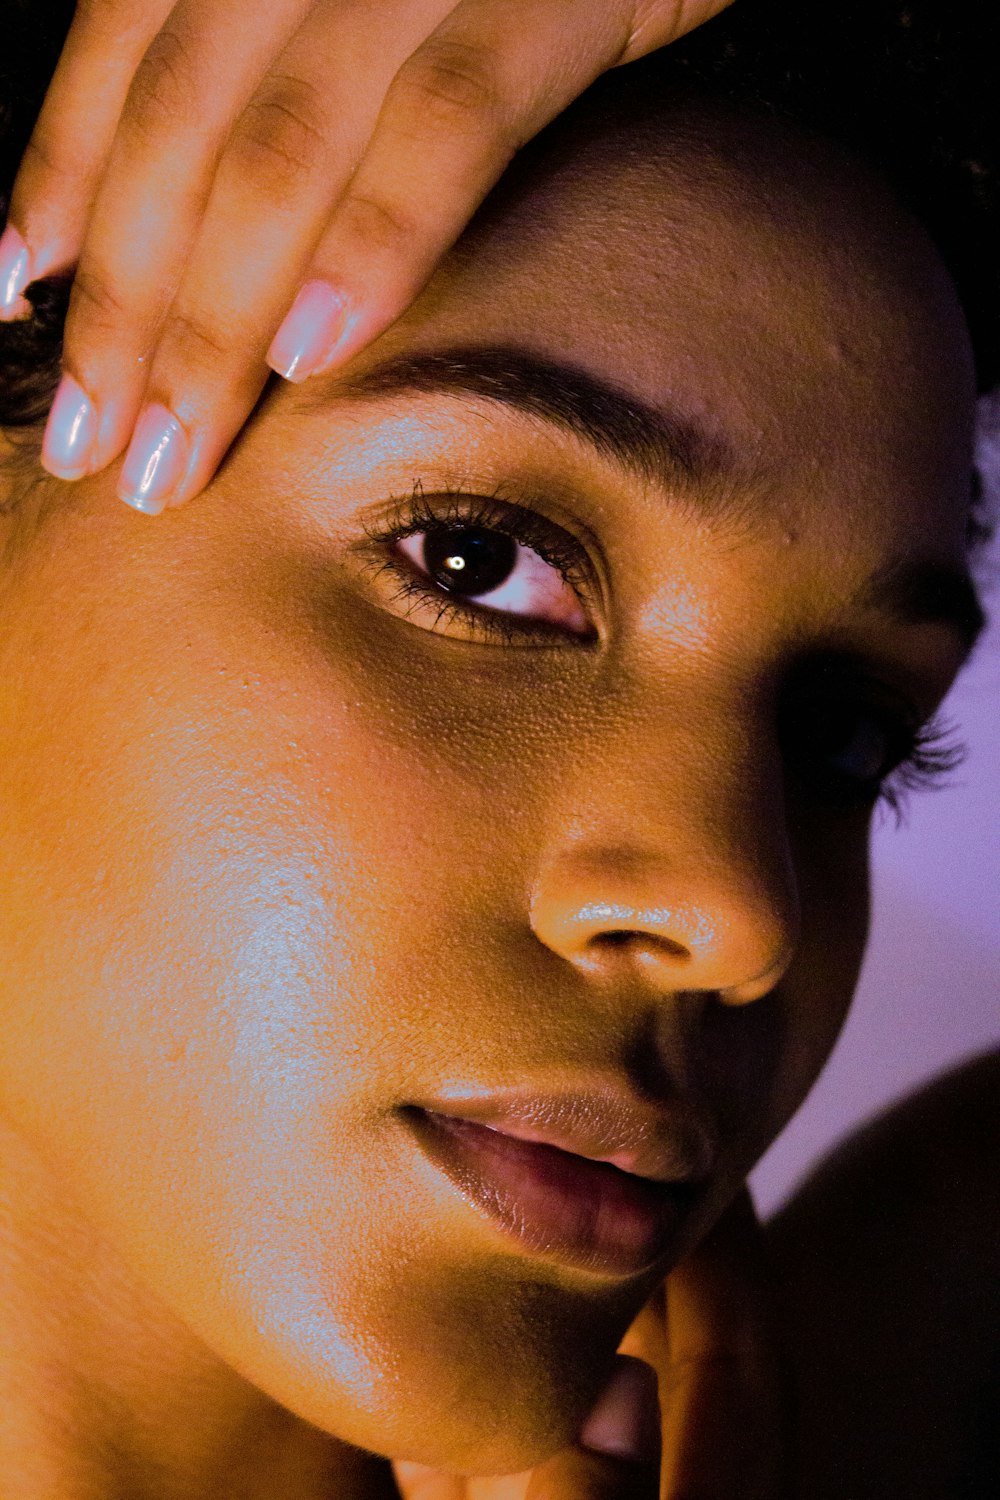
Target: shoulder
{"points": [[887, 1269]]}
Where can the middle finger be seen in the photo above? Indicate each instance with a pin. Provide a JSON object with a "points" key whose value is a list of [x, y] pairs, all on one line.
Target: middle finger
{"points": [[290, 155]]}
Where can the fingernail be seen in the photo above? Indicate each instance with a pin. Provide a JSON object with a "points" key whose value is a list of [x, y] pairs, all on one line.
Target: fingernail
{"points": [[308, 338], [156, 461], [14, 275], [626, 1420], [69, 432]]}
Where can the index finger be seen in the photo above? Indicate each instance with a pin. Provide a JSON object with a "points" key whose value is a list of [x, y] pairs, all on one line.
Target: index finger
{"points": [[485, 81]]}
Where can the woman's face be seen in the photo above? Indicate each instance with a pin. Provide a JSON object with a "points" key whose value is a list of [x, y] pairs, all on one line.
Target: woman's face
{"points": [[286, 849]]}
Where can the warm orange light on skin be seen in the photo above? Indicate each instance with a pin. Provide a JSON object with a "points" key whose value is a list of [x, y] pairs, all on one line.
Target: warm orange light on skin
{"points": [[276, 860]]}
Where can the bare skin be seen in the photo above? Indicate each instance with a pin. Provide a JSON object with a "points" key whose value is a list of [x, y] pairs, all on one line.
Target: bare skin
{"points": [[272, 869], [199, 172]]}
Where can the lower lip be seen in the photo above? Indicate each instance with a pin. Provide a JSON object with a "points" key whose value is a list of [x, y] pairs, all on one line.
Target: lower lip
{"points": [[587, 1214]]}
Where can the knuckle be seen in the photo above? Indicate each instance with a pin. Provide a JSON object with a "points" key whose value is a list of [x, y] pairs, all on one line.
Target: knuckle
{"points": [[377, 225], [280, 135], [164, 87], [452, 85], [195, 342], [93, 298]]}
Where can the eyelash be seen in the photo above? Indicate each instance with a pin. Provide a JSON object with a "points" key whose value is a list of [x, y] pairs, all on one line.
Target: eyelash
{"points": [[934, 752], [928, 754], [416, 513]]}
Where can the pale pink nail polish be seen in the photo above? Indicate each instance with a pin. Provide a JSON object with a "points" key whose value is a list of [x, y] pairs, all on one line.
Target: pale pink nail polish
{"points": [[626, 1420], [156, 461], [15, 273], [69, 432], [310, 332]]}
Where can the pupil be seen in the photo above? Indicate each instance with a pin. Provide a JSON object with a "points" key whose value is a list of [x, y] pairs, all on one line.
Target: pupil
{"points": [[469, 559]]}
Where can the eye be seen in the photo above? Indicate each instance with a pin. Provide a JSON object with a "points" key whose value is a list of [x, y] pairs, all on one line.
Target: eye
{"points": [[850, 746], [503, 571], [844, 750], [858, 747]]}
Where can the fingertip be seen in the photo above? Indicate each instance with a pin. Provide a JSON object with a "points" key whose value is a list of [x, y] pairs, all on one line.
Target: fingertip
{"points": [[311, 333], [581, 1474], [626, 1422]]}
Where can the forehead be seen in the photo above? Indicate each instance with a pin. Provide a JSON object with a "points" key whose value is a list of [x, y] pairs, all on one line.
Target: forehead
{"points": [[754, 279]]}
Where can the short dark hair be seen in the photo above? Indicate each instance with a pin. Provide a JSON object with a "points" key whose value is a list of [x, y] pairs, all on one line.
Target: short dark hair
{"points": [[910, 85]]}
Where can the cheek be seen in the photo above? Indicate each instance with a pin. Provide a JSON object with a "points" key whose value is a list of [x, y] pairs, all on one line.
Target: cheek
{"points": [[217, 984], [833, 862], [757, 1062]]}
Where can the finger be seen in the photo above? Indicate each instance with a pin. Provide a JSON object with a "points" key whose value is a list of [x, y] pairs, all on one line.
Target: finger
{"points": [[580, 1475], [422, 1482], [261, 189], [59, 174], [657, 22], [482, 84], [436, 126], [205, 378], [185, 91], [723, 1399], [617, 1456]]}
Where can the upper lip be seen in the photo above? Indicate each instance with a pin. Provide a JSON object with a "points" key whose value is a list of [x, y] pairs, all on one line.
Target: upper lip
{"points": [[669, 1142]]}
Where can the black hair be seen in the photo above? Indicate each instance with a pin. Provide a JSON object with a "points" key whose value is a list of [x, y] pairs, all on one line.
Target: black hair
{"points": [[909, 85]]}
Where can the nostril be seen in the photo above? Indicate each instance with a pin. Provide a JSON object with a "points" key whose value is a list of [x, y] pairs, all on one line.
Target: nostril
{"points": [[662, 945]]}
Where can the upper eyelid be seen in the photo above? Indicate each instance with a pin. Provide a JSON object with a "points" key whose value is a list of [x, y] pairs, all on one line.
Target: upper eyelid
{"points": [[422, 511], [529, 493], [892, 676], [529, 524]]}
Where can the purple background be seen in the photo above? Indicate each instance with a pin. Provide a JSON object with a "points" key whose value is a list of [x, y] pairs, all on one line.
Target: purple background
{"points": [[929, 994]]}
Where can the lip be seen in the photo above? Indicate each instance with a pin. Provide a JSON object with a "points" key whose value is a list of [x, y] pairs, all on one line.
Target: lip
{"points": [[669, 1142], [585, 1212]]}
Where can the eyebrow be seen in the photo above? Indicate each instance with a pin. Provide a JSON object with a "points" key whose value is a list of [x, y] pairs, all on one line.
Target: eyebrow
{"points": [[660, 445], [928, 593]]}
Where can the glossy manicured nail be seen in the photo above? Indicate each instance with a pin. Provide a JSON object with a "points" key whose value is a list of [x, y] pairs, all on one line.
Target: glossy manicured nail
{"points": [[156, 461], [626, 1420], [69, 432], [309, 336], [15, 273]]}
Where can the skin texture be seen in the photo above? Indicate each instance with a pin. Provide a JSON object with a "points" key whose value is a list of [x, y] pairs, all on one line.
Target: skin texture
{"points": [[198, 171], [272, 869]]}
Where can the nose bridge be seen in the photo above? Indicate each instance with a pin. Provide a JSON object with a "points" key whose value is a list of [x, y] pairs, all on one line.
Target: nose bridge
{"points": [[670, 841]]}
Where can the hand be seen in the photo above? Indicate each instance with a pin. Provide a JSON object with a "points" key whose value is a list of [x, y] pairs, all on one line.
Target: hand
{"points": [[203, 161], [705, 1333]]}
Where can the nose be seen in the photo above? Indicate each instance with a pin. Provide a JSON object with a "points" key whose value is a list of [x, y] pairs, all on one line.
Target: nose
{"points": [[699, 900]]}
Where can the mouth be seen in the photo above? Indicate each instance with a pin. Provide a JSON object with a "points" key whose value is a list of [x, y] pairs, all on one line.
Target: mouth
{"points": [[588, 1214]]}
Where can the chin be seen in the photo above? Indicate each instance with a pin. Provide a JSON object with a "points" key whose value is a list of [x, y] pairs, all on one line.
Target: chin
{"points": [[498, 1370]]}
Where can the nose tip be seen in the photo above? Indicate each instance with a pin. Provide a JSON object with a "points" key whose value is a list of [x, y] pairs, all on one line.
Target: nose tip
{"points": [[736, 943]]}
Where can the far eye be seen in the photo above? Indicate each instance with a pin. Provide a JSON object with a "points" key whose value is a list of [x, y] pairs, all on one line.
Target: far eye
{"points": [[861, 750], [843, 747], [495, 571]]}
